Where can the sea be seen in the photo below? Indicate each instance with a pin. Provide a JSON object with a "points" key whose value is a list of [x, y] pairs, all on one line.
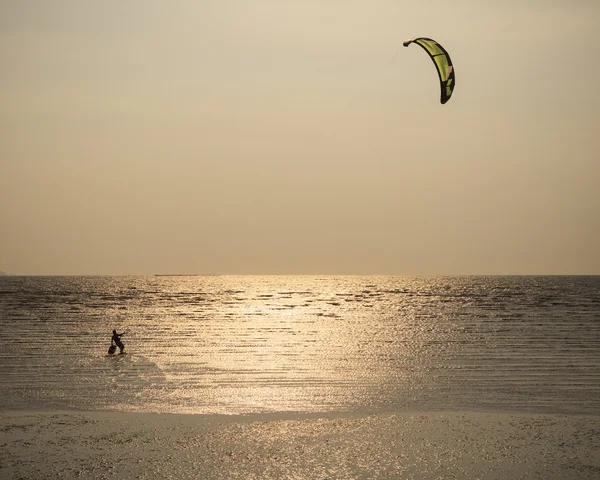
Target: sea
{"points": [[261, 344]]}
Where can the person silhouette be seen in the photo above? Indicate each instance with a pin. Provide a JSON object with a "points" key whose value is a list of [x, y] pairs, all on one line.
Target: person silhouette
{"points": [[116, 339]]}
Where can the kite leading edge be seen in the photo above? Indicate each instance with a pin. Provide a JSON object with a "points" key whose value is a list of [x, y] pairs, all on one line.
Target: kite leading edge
{"points": [[442, 62]]}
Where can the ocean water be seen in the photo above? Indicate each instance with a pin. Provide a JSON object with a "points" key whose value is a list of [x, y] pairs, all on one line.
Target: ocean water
{"points": [[248, 344]]}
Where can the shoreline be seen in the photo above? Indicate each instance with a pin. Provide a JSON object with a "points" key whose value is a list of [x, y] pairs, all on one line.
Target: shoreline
{"points": [[290, 415], [101, 444]]}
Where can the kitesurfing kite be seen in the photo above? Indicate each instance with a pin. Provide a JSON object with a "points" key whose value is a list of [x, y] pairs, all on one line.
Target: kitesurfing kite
{"points": [[442, 62]]}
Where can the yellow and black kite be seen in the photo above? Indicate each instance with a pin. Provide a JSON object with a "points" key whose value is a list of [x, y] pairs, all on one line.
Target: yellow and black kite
{"points": [[442, 62]]}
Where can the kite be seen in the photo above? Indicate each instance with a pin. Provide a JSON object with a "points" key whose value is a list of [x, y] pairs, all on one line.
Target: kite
{"points": [[442, 62]]}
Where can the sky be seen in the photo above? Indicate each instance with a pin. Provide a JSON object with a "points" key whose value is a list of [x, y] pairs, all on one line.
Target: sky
{"points": [[286, 137]]}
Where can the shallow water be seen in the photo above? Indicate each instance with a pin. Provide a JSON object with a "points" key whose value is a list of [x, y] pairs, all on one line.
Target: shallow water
{"points": [[238, 344]]}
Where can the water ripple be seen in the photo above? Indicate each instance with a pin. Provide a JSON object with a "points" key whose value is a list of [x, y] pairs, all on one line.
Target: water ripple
{"points": [[258, 344]]}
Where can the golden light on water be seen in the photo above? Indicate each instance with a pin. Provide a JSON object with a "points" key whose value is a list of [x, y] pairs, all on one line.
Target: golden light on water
{"points": [[260, 344], [268, 348]]}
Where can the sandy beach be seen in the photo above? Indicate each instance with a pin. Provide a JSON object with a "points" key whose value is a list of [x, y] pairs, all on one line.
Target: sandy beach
{"points": [[329, 446]]}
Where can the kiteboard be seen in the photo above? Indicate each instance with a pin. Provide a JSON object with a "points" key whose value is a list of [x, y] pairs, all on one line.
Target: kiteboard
{"points": [[112, 349]]}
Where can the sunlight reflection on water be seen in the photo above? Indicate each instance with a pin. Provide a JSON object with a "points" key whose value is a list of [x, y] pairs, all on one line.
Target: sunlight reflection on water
{"points": [[257, 344]]}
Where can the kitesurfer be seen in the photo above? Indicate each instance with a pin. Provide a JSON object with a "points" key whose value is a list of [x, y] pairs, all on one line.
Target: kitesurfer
{"points": [[116, 339]]}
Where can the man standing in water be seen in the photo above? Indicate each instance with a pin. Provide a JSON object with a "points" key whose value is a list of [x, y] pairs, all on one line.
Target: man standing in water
{"points": [[116, 338]]}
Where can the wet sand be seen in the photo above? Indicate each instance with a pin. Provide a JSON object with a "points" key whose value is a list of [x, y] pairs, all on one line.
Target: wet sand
{"points": [[328, 446]]}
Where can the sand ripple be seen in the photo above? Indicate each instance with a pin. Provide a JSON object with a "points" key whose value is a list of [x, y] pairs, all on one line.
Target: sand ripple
{"points": [[411, 446]]}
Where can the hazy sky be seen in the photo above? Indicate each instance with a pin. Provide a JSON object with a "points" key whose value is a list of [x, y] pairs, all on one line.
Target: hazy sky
{"points": [[286, 136]]}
